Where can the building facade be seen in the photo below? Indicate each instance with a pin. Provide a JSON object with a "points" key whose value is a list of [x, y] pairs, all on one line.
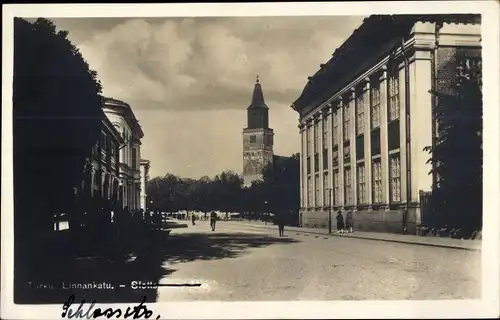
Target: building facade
{"points": [[257, 138], [145, 164], [367, 115], [122, 117], [102, 168]]}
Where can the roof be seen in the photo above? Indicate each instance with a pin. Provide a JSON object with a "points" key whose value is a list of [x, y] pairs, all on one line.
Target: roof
{"points": [[257, 96], [111, 129], [129, 114], [377, 36]]}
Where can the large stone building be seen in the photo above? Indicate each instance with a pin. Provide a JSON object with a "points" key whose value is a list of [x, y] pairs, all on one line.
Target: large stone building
{"points": [[123, 119], [102, 169], [145, 164], [257, 138], [367, 115]]}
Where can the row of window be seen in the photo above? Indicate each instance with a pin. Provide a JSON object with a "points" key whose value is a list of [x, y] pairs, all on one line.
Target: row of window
{"points": [[393, 102], [361, 183]]}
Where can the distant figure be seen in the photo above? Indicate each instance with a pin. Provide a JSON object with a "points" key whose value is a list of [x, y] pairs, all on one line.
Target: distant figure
{"points": [[340, 222], [281, 224], [349, 221], [193, 218], [213, 220]]}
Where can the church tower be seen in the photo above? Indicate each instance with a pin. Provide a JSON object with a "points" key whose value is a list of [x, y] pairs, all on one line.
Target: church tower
{"points": [[257, 138]]}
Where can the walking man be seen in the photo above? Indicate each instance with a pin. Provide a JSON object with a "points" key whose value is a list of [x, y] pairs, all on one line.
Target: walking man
{"points": [[340, 222], [349, 221], [213, 219], [281, 224]]}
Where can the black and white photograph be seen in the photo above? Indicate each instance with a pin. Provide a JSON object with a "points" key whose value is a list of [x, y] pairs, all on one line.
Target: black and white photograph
{"points": [[185, 160]]}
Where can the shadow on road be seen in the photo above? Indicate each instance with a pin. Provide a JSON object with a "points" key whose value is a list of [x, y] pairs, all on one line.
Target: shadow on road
{"points": [[58, 278], [195, 246]]}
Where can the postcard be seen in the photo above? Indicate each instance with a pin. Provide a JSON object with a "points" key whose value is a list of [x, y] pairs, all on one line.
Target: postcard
{"points": [[250, 160]]}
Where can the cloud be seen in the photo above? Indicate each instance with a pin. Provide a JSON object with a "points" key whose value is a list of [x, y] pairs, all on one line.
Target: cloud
{"points": [[190, 80]]}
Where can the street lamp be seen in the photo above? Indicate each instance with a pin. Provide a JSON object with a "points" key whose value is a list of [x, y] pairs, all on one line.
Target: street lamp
{"points": [[265, 214], [329, 210]]}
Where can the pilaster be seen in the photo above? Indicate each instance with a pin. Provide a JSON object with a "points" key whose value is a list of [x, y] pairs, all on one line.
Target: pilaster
{"points": [[319, 202], [352, 147], [384, 144], [313, 170], [367, 142], [340, 150], [421, 126], [302, 166], [402, 133], [329, 115]]}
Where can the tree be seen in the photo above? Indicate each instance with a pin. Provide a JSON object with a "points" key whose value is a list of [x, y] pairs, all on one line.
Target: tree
{"points": [[171, 193], [282, 186], [57, 120], [457, 156]]}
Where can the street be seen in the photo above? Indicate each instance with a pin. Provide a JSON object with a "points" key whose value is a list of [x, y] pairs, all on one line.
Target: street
{"points": [[241, 262]]}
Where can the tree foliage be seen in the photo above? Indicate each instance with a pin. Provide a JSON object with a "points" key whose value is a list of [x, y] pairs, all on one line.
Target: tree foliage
{"points": [[277, 193], [457, 156], [57, 118]]}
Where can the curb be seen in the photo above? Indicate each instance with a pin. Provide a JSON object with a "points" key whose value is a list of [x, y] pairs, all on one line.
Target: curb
{"points": [[428, 244]]}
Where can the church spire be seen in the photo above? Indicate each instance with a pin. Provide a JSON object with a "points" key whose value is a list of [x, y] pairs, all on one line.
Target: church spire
{"points": [[258, 96]]}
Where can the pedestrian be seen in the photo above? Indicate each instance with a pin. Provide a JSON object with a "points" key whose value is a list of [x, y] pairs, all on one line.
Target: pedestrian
{"points": [[193, 218], [340, 222], [213, 220], [349, 221], [281, 224]]}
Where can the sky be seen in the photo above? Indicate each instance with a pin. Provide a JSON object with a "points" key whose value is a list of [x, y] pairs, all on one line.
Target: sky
{"points": [[190, 80]]}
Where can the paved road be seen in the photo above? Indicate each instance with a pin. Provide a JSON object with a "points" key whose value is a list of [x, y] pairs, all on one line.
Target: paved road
{"points": [[241, 262]]}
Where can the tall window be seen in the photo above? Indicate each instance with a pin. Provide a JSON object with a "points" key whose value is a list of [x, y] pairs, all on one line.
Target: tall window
{"points": [[336, 187], [375, 105], [316, 137], [335, 133], [377, 181], [309, 191], [112, 149], [308, 134], [347, 153], [326, 124], [360, 114], [316, 182], [335, 157], [361, 183], [395, 178], [393, 85], [326, 193], [134, 158], [348, 186], [103, 141], [347, 119]]}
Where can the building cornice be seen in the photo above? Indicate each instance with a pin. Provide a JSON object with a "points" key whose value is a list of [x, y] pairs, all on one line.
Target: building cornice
{"points": [[124, 109], [405, 26]]}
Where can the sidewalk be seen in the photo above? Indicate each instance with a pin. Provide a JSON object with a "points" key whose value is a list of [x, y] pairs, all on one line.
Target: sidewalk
{"points": [[377, 236]]}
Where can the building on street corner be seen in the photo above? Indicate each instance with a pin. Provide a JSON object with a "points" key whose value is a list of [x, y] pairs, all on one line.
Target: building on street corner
{"points": [[367, 115], [145, 164], [123, 119]]}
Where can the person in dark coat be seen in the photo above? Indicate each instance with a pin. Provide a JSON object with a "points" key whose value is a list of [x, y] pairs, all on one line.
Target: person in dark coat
{"points": [[340, 222], [213, 220], [349, 221], [281, 224]]}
